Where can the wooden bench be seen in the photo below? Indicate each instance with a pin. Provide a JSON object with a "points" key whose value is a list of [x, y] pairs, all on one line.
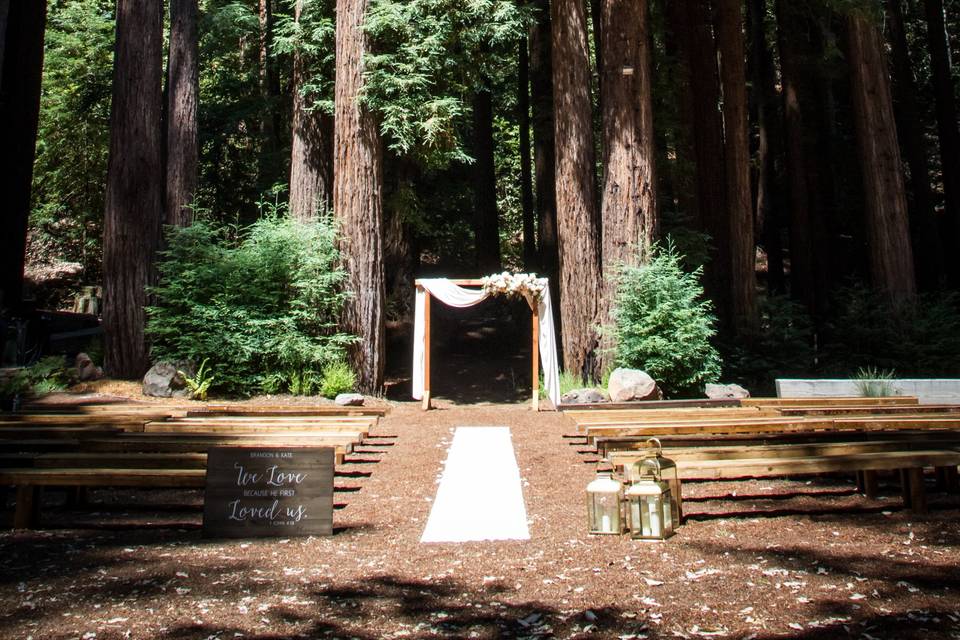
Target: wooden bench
{"points": [[247, 410]]}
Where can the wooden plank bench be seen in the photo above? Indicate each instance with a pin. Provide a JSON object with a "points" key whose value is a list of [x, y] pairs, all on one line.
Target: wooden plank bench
{"points": [[254, 411], [46, 432], [29, 481], [829, 402]]}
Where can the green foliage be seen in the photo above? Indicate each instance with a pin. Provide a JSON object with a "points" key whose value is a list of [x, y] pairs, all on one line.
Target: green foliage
{"points": [[263, 308], [45, 376], [919, 339], [337, 378], [663, 325], [199, 384], [73, 135], [782, 347], [429, 57], [875, 383]]}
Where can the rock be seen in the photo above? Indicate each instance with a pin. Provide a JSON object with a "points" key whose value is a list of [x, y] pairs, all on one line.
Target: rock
{"points": [[163, 381], [632, 384], [583, 396], [726, 391], [349, 400], [86, 370]]}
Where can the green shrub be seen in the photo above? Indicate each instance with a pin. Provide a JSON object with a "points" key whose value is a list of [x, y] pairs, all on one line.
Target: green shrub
{"points": [[875, 383], [47, 375], [663, 325], [262, 304], [920, 339], [337, 378], [783, 347]]}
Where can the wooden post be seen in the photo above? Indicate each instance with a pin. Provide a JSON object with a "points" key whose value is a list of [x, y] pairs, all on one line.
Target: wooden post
{"points": [[27, 507], [870, 485], [426, 351], [918, 494], [535, 349]]}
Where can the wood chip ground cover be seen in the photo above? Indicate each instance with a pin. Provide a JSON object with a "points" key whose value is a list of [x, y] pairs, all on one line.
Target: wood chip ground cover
{"points": [[761, 559]]}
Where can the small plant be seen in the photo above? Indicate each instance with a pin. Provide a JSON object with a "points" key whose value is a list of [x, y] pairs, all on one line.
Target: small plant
{"points": [[199, 384], [338, 378], [875, 383], [664, 325]]}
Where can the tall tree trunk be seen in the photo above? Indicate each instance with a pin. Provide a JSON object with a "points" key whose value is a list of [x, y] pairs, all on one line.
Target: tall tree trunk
{"points": [[183, 92], [21, 41], [544, 164], [357, 198], [526, 169], [928, 257], [947, 128], [698, 50], [311, 149], [766, 218], [4, 15], [801, 225], [629, 197], [576, 202], [486, 223], [134, 195], [269, 83], [739, 210], [888, 232]]}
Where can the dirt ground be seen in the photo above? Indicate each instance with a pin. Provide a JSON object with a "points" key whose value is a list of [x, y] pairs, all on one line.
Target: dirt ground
{"points": [[773, 559]]}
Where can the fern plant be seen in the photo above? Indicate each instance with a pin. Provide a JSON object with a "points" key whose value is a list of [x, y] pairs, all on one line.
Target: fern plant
{"points": [[199, 384]]}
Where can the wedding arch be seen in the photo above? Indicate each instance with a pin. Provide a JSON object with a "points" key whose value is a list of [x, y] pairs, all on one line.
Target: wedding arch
{"points": [[455, 293]]}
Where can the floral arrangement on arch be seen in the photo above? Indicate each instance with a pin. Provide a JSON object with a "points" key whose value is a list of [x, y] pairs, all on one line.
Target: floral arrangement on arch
{"points": [[527, 285]]}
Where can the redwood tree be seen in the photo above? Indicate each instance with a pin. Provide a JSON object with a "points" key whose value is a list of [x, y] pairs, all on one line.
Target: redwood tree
{"points": [[740, 276], [357, 197], [526, 168], [134, 195], [887, 228], [629, 200], [486, 224], [311, 152], [183, 92], [577, 222], [947, 127], [22, 27]]}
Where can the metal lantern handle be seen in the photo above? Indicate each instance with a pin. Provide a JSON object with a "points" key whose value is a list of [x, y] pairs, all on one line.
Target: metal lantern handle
{"points": [[659, 446]]}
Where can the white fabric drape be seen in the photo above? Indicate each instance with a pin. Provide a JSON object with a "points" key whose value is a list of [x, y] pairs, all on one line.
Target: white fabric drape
{"points": [[455, 296]]}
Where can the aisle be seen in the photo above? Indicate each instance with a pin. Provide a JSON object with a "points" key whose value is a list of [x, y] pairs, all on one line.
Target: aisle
{"points": [[479, 497]]}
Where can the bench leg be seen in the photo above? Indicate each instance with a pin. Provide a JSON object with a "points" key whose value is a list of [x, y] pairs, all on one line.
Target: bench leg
{"points": [[861, 484], [905, 488], [76, 497], [951, 480], [870, 484], [918, 494], [28, 506]]}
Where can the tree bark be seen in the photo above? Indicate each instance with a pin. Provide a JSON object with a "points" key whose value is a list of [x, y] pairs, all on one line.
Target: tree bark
{"points": [[698, 51], [526, 169], [357, 198], [269, 83], [486, 223], [801, 246], [888, 233], [766, 218], [629, 197], [928, 257], [742, 316], [22, 32], [311, 149], [183, 94], [947, 128], [575, 188], [134, 195], [4, 15], [544, 159]]}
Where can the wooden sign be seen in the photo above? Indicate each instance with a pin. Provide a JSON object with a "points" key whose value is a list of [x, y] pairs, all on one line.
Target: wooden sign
{"points": [[268, 491]]}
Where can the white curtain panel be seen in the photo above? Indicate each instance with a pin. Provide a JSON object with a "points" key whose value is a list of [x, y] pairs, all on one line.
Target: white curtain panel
{"points": [[455, 296]]}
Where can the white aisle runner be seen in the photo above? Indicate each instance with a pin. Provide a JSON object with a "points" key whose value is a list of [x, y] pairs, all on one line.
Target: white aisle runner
{"points": [[479, 497]]}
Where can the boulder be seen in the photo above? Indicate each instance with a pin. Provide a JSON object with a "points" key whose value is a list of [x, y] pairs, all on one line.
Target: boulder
{"points": [[583, 396], [349, 400], [627, 385], [725, 391], [164, 381], [86, 369]]}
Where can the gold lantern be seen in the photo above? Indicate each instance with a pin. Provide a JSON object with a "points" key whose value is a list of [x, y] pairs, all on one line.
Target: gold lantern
{"points": [[648, 505], [661, 469], [603, 504]]}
